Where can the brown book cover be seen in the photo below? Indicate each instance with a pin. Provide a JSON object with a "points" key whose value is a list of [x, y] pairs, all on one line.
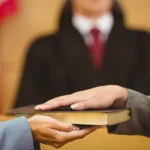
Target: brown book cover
{"points": [[86, 117]]}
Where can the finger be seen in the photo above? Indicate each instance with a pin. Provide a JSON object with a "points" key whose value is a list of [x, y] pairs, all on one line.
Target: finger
{"points": [[60, 138], [49, 137], [94, 103], [70, 136], [60, 126], [63, 101], [51, 104], [89, 104], [56, 103]]}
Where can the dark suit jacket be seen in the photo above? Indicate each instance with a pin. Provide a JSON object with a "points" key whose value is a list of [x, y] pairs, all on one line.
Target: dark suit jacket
{"points": [[60, 64]]}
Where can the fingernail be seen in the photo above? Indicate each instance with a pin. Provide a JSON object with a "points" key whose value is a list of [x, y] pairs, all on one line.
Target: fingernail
{"points": [[38, 107], [75, 106]]}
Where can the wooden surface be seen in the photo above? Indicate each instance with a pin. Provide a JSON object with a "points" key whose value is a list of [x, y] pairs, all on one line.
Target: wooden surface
{"points": [[101, 140], [5, 118]]}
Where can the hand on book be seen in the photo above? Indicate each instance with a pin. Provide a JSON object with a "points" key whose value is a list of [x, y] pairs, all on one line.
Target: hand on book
{"points": [[97, 98], [52, 132]]}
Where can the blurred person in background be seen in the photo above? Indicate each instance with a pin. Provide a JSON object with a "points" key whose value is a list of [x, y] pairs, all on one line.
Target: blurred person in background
{"points": [[91, 48]]}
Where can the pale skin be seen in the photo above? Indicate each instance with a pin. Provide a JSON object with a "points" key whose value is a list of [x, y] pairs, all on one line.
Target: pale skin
{"points": [[49, 131], [92, 9], [99, 98]]}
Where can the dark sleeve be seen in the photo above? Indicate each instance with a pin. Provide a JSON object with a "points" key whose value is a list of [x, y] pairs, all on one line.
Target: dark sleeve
{"points": [[140, 76], [140, 123], [35, 86]]}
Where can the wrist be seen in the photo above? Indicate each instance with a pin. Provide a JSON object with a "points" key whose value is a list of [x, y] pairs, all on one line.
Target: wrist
{"points": [[31, 124]]}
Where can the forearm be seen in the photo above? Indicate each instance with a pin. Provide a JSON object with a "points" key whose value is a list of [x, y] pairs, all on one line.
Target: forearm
{"points": [[16, 134]]}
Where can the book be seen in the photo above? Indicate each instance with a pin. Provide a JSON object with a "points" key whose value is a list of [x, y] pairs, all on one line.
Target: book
{"points": [[86, 117]]}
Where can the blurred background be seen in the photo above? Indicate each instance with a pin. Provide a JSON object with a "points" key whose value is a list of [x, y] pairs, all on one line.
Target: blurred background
{"points": [[34, 18]]}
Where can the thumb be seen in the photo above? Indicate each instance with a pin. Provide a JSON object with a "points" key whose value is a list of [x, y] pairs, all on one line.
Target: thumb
{"points": [[82, 105]]}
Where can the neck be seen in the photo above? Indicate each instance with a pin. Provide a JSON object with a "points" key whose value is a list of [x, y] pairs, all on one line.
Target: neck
{"points": [[91, 16]]}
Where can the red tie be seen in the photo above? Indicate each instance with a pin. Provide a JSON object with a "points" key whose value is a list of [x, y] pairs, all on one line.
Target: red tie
{"points": [[97, 48]]}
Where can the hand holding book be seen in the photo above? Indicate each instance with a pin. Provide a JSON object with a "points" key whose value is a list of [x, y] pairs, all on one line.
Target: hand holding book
{"points": [[52, 132]]}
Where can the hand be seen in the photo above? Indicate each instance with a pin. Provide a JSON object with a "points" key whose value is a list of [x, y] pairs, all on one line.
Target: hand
{"points": [[98, 98], [52, 132]]}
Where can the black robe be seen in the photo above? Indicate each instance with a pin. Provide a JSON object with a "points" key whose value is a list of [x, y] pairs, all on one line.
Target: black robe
{"points": [[61, 64]]}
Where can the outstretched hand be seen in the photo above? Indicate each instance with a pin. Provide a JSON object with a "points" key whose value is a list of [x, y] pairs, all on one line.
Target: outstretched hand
{"points": [[97, 98], [49, 131]]}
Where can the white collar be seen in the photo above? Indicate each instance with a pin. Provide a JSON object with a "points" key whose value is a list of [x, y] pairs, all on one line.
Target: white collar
{"points": [[84, 25]]}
